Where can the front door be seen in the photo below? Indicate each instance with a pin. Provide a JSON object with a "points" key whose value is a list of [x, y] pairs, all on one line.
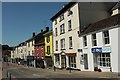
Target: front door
{"points": [[63, 61], [85, 61]]}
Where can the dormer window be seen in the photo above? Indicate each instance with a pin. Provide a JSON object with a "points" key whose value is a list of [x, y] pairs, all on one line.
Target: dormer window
{"points": [[69, 12], [62, 17]]}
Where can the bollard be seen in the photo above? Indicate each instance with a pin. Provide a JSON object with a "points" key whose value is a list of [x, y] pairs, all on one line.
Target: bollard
{"points": [[54, 68], [7, 74], [110, 69], [70, 69], [10, 76]]}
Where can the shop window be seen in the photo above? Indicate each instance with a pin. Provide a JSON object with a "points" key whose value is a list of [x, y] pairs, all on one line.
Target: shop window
{"points": [[57, 59], [72, 61], [94, 40], [104, 59], [106, 37]]}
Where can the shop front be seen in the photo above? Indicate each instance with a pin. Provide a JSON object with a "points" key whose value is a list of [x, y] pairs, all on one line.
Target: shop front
{"points": [[71, 60], [101, 59], [30, 61], [60, 60], [57, 60]]}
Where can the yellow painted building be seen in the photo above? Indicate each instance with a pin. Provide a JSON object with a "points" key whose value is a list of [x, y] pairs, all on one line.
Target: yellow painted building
{"points": [[48, 48]]}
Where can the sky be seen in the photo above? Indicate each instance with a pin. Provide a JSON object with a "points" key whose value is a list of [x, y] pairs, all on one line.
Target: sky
{"points": [[21, 19]]}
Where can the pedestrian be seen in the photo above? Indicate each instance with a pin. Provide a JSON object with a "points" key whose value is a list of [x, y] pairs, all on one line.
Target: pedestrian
{"points": [[45, 64]]}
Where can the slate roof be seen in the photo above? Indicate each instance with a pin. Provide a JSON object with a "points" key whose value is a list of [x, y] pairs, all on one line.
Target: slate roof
{"points": [[117, 5], [102, 24], [63, 10]]}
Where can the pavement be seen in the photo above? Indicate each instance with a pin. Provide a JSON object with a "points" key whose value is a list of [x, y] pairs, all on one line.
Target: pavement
{"points": [[74, 72], [20, 71]]}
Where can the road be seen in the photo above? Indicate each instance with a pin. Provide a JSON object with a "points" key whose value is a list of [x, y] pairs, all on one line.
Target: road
{"points": [[19, 72]]}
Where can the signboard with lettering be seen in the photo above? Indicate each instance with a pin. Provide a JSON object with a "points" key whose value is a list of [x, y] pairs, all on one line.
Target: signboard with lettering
{"points": [[106, 50], [101, 50], [96, 50]]}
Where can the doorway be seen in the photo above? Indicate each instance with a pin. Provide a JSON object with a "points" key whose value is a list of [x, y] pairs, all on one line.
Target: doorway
{"points": [[85, 61], [63, 61]]}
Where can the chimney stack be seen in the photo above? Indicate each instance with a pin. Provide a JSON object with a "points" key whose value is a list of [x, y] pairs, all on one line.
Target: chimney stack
{"points": [[33, 34], [41, 30], [47, 28]]}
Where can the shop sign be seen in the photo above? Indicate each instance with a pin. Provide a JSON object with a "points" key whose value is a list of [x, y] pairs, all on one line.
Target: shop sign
{"points": [[106, 50], [96, 50]]}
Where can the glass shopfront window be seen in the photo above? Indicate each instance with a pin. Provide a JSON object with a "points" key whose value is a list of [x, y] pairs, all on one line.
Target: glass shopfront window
{"points": [[104, 59], [72, 61], [57, 59]]}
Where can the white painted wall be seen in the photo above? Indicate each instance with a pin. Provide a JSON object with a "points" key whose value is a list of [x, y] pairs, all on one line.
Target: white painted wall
{"points": [[75, 27], [16, 53], [113, 33], [116, 11], [31, 48], [114, 49], [119, 49], [12, 54]]}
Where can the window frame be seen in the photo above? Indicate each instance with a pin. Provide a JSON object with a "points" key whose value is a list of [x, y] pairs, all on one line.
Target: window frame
{"points": [[84, 41], [56, 45], [61, 17], [69, 12], [106, 37], [62, 28], [104, 60], [70, 42], [94, 40], [62, 41], [55, 21], [48, 50], [72, 61], [56, 33], [69, 25], [48, 38]]}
